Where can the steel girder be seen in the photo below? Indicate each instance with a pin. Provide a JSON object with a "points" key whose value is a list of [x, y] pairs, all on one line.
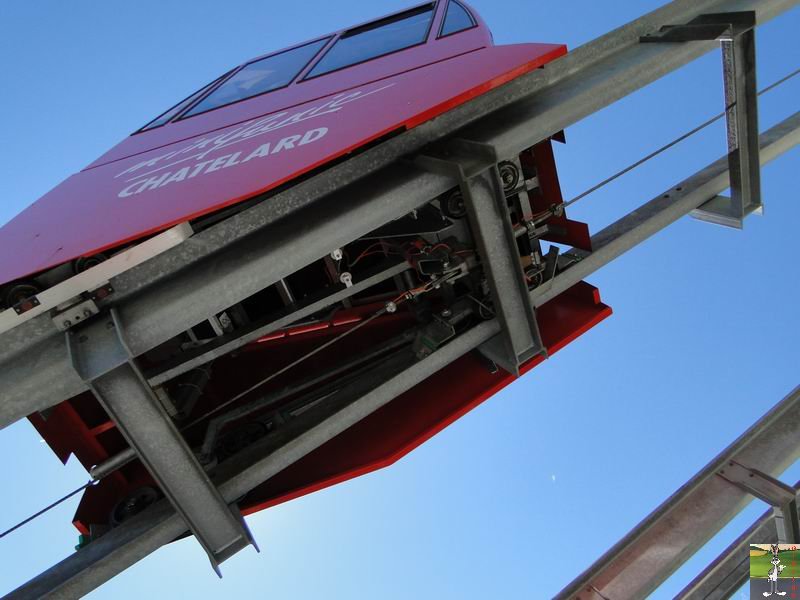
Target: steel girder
{"points": [[663, 210], [121, 547], [246, 253], [731, 569], [655, 548], [101, 357]]}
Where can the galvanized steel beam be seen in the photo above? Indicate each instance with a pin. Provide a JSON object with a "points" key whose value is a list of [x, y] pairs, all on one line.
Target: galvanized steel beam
{"points": [[663, 210], [731, 569], [123, 546], [497, 247], [474, 170], [654, 549], [100, 355]]}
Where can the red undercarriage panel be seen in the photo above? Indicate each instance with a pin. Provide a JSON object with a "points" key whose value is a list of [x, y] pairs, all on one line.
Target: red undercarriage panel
{"points": [[81, 427]]}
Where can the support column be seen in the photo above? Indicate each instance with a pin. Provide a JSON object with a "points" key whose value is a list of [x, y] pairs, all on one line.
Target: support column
{"points": [[102, 360]]}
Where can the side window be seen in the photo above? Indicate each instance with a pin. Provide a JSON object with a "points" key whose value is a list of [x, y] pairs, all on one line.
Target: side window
{"points": [[180, 107], [376, 39], [260, 76], [456, 19]]}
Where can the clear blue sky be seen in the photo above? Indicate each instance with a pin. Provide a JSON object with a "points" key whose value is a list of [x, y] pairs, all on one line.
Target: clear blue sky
{"points": [[519, 496]]}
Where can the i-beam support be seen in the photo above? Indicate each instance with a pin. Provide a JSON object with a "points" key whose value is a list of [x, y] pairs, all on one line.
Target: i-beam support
{"points": [[474, 169], [103, 361], [736, 34]]}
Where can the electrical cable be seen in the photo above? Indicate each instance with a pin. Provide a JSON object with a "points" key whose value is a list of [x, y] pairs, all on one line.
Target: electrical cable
{"points": [[47, 508], [677, 140], [383, 310]]}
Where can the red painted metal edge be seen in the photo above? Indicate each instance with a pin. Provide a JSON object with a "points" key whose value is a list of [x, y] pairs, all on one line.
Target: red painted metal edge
{"points": [[414, 417]]}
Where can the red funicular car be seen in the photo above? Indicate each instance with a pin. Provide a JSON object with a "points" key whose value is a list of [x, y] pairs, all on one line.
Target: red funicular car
{"points": [[410, 286]]}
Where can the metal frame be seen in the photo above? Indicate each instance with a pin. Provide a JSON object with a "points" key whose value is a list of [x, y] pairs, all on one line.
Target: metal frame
{"points": [[473, 168], [101, 357], [67, 291], [247, 252], [172, 292], [491, 227], [160, 524], [226, 344], [734, 30], [655, 548]]}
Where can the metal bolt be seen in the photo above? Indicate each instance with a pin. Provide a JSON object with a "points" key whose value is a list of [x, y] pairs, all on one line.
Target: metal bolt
{"points": [[67, 323], [391, 307], [337, 254], [447, 313], [87, 313]]}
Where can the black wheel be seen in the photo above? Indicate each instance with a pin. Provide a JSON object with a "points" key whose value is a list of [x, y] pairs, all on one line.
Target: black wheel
{"points": [[132, 504], [452, 204], [536, 279], [509, 174], [79, 265], [240, 438], [19, 291]]}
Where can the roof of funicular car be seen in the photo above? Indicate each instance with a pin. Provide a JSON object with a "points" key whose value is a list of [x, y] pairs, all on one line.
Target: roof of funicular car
{"points": [[303, 89], [197, 165]]}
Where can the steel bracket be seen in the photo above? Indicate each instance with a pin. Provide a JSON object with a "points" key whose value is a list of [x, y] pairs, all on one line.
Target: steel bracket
{"points": [[782, 497], [736, 34], [100, 356], [473, 165]]}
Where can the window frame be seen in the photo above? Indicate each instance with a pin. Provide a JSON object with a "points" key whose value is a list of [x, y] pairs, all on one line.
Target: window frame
{"points": [[206, 89], [472, 18], [219, 81], [326, 39], [432, 6]]}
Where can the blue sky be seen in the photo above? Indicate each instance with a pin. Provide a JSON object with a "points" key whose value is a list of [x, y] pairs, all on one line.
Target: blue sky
{"points": [[525, 492]]}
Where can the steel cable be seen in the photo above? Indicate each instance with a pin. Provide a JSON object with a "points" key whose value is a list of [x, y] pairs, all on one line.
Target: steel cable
{"points": [[677, 140], [47, 508]]}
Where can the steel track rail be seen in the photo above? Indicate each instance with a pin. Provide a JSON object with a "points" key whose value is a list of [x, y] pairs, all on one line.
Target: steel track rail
{"points": [[672, 533]]}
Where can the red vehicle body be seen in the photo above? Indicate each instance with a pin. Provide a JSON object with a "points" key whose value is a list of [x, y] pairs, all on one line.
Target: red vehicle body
{"points": [[190, 168], [139, 187]]}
